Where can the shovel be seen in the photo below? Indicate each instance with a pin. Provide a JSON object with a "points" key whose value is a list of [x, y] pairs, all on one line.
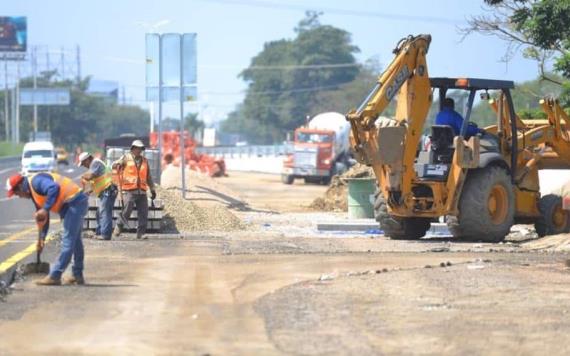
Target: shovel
{"points": [[39, 266]]}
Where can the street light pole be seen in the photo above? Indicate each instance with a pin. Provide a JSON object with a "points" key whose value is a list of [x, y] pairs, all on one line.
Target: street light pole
{"points": [[160, 99], [182, 143]]}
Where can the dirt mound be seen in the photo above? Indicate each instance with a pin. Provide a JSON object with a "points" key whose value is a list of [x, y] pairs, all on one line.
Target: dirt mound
{"points": [[358, 171], [182, 215], [336, 196]]}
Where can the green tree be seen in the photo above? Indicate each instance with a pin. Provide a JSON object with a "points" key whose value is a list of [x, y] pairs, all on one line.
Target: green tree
{"points": [[88, 120], [286, 78], [538, 28]]}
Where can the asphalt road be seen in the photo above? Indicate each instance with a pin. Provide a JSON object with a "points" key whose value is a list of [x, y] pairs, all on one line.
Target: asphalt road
{"points": [[17, 229]]}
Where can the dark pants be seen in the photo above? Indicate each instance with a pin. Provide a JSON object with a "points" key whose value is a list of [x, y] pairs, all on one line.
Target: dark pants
{"points": [[131, 200]]}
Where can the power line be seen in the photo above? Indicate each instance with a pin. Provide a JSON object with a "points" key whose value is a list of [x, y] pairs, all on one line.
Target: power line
{"points": [[254, 67], [337, 11]]}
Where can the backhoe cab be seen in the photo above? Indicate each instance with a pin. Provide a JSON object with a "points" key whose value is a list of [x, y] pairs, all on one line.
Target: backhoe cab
{"points": [[481, 184]]}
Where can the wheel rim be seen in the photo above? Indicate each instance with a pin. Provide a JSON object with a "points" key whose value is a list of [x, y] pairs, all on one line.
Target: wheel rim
{"points": [[497, 204], [559, 218]]}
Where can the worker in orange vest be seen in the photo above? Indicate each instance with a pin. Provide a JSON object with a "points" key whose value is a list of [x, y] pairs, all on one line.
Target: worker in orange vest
{"points": [[58, 194], [135, 181]]}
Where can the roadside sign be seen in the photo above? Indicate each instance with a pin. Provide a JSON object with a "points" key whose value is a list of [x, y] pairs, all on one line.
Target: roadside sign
{"points": [[44, 96]]}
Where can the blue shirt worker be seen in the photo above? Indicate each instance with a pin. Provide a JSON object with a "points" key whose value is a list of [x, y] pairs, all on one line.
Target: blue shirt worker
{"points": [[100, 177], [51, 192], [448, 116]]}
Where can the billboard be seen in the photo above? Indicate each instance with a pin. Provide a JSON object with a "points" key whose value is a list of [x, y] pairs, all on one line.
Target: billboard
{"points": [[13, 34], [44, 96]]}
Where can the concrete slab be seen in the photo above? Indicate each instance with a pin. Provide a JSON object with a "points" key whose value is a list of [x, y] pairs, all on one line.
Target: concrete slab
{"points": [[350, 225]]}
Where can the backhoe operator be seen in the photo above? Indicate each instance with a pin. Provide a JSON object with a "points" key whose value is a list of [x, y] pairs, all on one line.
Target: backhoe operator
{"points": [[448, 116]]}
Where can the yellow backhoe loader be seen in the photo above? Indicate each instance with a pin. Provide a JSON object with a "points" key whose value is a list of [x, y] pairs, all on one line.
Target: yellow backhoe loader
{"points": [[482, 184]]}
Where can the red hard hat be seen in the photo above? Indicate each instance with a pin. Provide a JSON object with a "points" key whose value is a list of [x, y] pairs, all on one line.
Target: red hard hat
{"points": [[12, 183]]}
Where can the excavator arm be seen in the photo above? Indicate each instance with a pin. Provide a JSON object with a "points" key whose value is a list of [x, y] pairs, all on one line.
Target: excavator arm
{"points": [[391, 148]]}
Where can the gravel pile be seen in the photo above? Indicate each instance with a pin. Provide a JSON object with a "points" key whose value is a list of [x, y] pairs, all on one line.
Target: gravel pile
{"points": [[185, 216], [200, 187], [336, 196]]}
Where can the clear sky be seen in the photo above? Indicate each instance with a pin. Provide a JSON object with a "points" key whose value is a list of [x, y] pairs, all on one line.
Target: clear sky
{"points": [[231, 32]]}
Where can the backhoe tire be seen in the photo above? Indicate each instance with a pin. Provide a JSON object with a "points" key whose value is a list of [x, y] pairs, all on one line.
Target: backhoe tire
{"points": [[398, 228], [486, 206], [287, 179], [554, 220]]}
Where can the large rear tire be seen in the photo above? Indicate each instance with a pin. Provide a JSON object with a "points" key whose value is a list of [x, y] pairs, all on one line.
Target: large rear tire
{"points": [[486, 206], [554, 220], [398, 228]]}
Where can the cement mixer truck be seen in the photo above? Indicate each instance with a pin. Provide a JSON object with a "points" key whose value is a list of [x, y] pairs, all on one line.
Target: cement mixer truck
{"points": [[320, 150]]}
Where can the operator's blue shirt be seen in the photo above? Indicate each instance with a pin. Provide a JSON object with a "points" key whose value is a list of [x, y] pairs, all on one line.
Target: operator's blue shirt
{"points": [[451, 118]]}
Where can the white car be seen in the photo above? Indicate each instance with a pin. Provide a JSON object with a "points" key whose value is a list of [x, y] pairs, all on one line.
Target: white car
{"points": [[38, 157]]}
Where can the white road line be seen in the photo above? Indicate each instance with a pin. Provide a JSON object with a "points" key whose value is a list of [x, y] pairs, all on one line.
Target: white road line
{"points": [[8, 170]]}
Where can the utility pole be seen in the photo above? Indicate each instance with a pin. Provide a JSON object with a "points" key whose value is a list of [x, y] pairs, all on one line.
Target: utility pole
{"points": [[34, 74], [47, 59], [78, 59], [160, 98], [62, 54], [6, 103], [182, 136], [17, 105]]}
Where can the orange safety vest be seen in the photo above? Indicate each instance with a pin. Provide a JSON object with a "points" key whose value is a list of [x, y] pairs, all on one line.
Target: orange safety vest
{"points": [[67, 191], [134, 177]]}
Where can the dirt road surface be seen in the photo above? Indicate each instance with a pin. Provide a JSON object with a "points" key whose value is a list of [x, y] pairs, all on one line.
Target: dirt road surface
{"points": [[280, 287]]}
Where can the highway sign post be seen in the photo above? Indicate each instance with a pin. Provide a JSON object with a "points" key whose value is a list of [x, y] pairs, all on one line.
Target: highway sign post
{"points": [[171, 74]]}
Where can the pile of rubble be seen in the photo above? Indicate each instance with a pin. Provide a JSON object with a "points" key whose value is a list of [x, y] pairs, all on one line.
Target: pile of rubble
{"points": [[183, 215], [206, 207], [336, 196]]}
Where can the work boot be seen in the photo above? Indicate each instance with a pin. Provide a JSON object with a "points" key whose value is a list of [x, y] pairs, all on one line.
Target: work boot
{"points": [[48, 281], [118, 230], [74, 280]]}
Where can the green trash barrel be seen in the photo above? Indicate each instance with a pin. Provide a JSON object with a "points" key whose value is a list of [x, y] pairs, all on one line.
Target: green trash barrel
{"points": [[361, 197]]}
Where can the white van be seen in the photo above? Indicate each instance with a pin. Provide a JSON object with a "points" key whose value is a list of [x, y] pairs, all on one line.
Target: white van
{"points": [[38, 157]]}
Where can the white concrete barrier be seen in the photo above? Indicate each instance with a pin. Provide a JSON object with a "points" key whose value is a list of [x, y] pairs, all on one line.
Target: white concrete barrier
{"points": [[267, 164]]}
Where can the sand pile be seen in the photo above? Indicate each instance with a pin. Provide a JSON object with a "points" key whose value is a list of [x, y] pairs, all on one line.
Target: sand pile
{"points": [[185, 216], [335, 198]]}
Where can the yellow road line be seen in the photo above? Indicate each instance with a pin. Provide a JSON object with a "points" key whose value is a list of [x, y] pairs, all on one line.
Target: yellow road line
{"points": [[12, 260], [22, 233], [16, 235], [17, 257]]}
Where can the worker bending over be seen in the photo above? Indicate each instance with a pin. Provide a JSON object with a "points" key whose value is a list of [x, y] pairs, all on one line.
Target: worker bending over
{"points": [[58, 194], [100, 177], [135, 181]]}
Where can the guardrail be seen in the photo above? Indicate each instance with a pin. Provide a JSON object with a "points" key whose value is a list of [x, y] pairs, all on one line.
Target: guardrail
{"points": [[246, 151]]}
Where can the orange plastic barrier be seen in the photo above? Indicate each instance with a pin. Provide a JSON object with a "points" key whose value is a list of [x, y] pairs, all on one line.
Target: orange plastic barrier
{"points": [[198, 162]]}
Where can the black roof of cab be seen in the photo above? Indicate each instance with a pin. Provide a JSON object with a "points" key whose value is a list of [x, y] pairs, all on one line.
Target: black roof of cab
{"points": [[471, 83]]}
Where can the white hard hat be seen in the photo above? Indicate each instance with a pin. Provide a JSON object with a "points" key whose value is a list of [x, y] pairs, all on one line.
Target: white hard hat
{"points": [[137, 143], [82, 157]]}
